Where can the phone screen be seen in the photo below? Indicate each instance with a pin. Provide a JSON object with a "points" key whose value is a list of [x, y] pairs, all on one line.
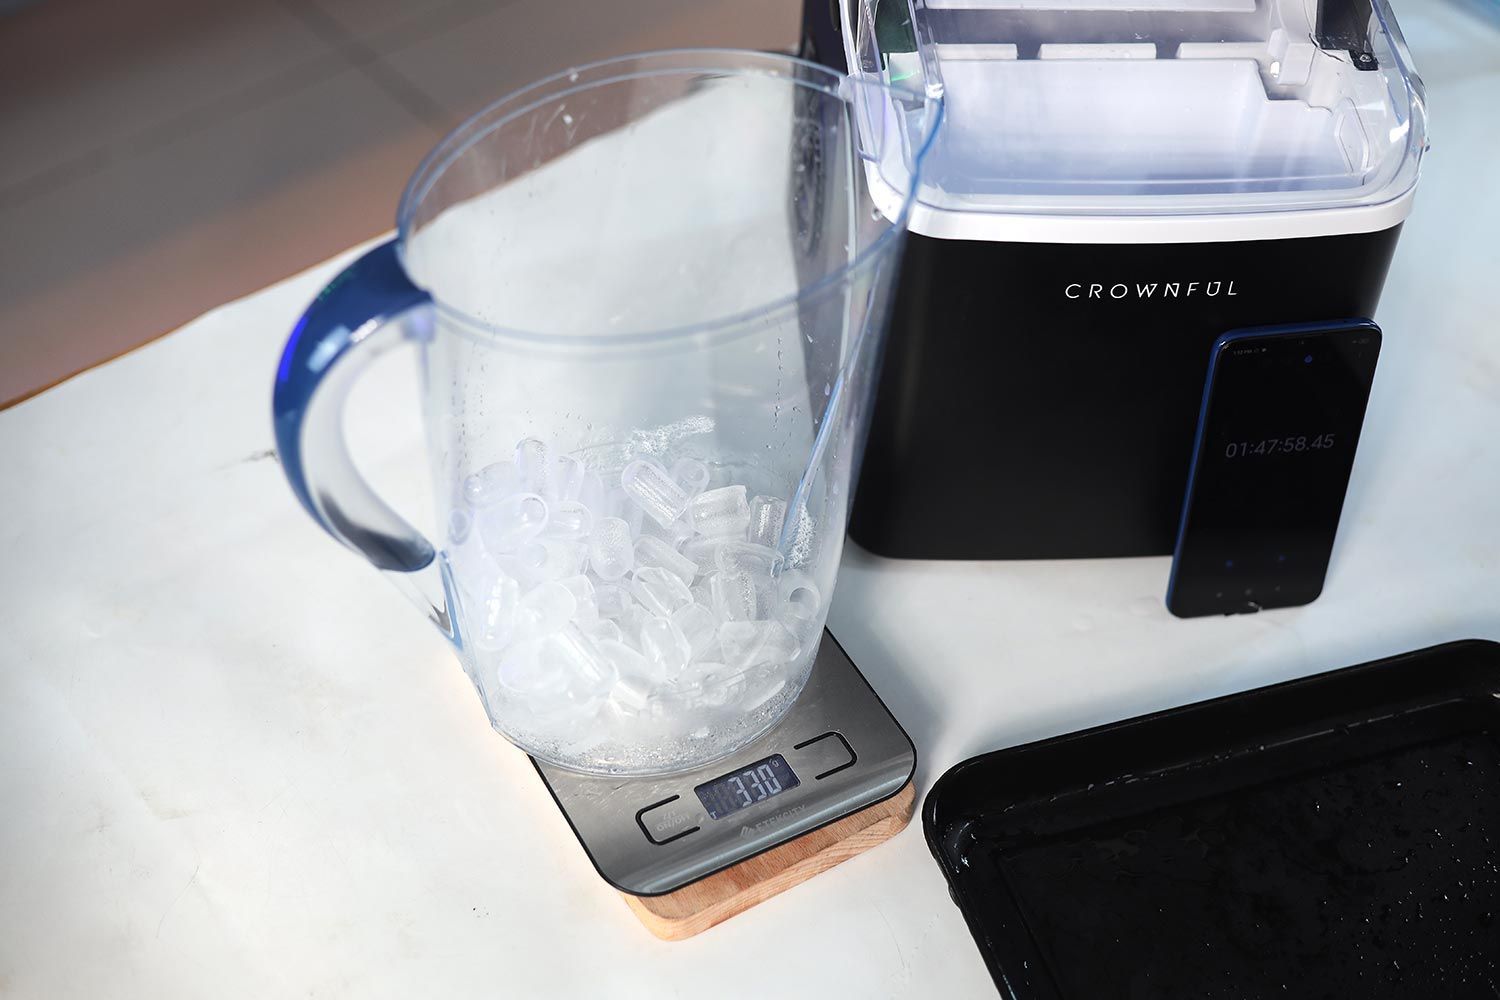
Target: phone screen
{"points": [[1276, 440]]}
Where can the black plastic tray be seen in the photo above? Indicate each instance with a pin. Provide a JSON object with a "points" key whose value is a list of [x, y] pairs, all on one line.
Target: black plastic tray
{"points": [[1334, 836]]}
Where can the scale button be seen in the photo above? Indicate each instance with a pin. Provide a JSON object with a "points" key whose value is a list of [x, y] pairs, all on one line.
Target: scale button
{"points": [[668, 820], [823, 755]]}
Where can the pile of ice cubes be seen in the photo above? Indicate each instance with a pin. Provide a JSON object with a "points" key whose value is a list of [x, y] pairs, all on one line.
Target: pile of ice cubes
{"points": [[595, 605]]}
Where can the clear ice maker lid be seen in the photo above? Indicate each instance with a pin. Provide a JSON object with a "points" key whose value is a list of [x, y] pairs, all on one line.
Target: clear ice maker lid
{"points": [[1152, 120]]}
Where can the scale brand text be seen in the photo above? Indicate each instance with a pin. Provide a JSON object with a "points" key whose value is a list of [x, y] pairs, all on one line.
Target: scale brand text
{"points": [[754, 828]]}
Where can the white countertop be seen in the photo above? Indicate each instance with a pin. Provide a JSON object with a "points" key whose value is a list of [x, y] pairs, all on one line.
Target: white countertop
{"points": [[234, 763]]}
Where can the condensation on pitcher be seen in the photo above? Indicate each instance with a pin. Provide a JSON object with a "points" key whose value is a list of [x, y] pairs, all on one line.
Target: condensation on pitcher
{"points": [[659, 441]]}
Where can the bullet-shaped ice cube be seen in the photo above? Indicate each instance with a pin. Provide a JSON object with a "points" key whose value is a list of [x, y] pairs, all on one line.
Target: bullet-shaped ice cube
{"points": [[702, 593], [599, 629], [569, 519], [520, 672], [534, 463], [653, 489], [694, 681], [631, 695], [622, 506], [704, 551], [749, 558], [749, 644], [659, 591], [673, 534], [666, 703], [634, 689], [630, 624], [579, 657], [719, 685], [612, 599], [800, 598], [594, 494], [460, 523], [720, 513], [699, 626], [509, 523], [558, 675], [760, 687], [567, 477], [741, 597], [611, 550], [691, 475], [491, 484], [493, 611], [626, 661], [525, 563], [767, 514], [653, 551], [582, 589], [559, 558], [665, 647], [545, 609]]}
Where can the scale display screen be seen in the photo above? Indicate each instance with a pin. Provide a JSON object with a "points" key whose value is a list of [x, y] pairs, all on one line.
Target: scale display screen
{"points": [[747, 786]]}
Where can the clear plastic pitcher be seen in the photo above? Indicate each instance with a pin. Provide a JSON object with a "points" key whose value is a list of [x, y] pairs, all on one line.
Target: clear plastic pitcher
{"points": [[648, 295]]}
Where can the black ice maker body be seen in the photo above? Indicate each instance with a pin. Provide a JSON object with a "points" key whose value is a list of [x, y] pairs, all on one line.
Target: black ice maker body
{"points": [[1110, 191]]}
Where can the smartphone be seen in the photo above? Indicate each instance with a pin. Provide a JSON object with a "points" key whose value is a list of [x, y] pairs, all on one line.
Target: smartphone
{"points": [[1277, 432]]}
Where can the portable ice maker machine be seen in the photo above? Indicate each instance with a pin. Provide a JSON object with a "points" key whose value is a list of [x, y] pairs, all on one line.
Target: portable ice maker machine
{"points": [[1113, 187]]}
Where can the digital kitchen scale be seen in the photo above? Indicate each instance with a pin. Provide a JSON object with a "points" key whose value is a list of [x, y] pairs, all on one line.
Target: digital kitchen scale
{"points": [[691, 849]]}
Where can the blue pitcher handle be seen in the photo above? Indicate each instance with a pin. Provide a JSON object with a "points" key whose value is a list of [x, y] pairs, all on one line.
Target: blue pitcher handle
{"points": [[369, 309]]}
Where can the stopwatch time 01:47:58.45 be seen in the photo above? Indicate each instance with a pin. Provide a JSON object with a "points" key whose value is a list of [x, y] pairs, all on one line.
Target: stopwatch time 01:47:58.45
{"points": [[1279, 446]]}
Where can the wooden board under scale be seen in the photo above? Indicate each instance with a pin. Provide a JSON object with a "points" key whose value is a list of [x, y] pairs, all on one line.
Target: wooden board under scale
{"points": [[697, 907]]}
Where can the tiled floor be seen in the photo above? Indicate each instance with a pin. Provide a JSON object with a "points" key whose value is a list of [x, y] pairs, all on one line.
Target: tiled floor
{"points": [[159, 157]]}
